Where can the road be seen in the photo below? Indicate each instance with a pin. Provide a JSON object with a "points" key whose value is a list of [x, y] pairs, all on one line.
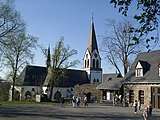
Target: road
{"points": [[54, 112]]}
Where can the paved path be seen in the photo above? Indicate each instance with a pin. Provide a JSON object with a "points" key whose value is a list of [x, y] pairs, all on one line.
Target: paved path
{"points": [[54, 112]]}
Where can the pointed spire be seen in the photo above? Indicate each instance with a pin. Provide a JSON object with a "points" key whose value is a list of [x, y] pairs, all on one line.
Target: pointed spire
{"points": [[92, 42], [48, 57]]}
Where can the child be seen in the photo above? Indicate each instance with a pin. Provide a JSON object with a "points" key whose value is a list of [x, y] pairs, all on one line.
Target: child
{"points": [[145, 114]]}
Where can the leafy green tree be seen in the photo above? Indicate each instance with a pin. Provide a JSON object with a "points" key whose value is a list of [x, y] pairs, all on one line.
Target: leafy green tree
{"points": [[148, 17], [60, 62]]}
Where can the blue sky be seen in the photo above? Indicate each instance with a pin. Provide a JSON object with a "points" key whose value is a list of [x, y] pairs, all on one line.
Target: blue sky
{"points": [[50, 19]]}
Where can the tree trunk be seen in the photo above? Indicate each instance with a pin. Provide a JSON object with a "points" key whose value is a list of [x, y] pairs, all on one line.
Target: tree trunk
{"points": [[51, 92], [14, 76], [13, 90]]}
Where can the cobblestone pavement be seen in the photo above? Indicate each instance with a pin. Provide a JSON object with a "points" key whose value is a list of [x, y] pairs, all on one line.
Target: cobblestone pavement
{"points": [[54, 112]]}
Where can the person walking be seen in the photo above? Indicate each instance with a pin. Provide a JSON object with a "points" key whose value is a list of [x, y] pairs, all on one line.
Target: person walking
{"points": [[74, 101], [150, 108], [85, 101], [145, 114], [62, 101], [78, 99], [135, 106], [139, 105]]}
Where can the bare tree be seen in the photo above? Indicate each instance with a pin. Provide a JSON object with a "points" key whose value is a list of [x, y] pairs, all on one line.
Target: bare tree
{"points": [[10, 23], [10, 20], [118, 47], [17, 51], [60, 62]]}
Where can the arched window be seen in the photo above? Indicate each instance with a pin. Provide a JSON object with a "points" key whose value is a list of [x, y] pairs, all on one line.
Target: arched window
{"points": [[85, 63], [88, 63], [93, 63], [97, 64], [94, 80], [97, 80]]}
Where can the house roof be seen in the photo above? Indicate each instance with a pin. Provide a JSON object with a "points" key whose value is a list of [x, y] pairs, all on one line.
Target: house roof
{"points": [[36, 75], [150, 62], [111, 82]]}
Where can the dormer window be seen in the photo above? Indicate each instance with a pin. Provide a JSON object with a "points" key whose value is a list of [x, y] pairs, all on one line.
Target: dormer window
{"points": [[139, 70]]}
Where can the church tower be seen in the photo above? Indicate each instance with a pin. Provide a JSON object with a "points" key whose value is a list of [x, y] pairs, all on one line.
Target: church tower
{"points": [[92, 59]]}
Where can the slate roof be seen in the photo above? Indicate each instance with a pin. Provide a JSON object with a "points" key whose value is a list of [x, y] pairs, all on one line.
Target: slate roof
{"points": [[111, 82], [36, 75], [32, 76], [92, 42], [74, 77], [150, 62]]}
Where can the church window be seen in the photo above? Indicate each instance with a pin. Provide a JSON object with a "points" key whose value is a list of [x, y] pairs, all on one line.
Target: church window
{"points": [[94, 80], [97, 64], [93, 63], [141, 96], [97, 80], [86, 56], [88, 63]]}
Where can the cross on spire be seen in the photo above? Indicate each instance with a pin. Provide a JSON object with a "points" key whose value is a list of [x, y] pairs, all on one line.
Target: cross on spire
{"points": [[92, 17]]}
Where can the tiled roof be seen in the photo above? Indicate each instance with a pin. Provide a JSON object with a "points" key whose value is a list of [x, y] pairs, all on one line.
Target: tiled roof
{"points": [[150, 62], [111, 82]]}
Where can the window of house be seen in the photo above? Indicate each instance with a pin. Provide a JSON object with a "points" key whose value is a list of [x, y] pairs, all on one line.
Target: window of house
{"points": [[131, 96], [139, 72], [141, 96]]}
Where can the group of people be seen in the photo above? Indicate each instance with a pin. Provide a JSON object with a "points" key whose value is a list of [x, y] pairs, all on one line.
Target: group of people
{"points": [[77, 100], [146, 113]]}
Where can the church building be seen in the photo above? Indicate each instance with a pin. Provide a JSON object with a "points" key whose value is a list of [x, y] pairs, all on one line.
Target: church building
{"points": [[32, 78]]}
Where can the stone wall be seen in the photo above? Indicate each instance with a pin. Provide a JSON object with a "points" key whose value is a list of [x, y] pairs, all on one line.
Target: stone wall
{"points": [[136, 88], [88, 88]]}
